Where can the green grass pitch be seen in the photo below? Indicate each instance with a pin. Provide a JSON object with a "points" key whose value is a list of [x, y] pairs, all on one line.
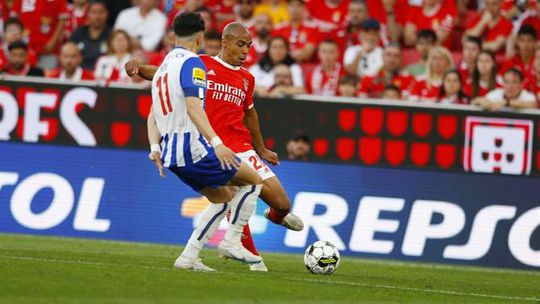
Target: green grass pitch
{"points": [[61, 270]]}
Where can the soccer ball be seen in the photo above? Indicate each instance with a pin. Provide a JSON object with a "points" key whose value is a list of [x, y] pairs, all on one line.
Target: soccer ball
{"points": [[322, 257]]}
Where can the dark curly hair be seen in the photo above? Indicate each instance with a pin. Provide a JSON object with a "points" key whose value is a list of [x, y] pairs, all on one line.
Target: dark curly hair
{"points": [[187, 24]]}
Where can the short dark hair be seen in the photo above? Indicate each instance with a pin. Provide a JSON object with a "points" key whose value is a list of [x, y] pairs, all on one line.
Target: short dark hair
{"points": [[392, 87], [14, 21], [528, 31], [428, 35], [19, 44], [474, 39], [348, 79], [330, 41], [102, 2], [212, 35], [187, 24], [516, 72]]}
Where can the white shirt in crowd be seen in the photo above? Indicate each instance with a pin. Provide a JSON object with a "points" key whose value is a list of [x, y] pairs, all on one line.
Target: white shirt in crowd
{"points": [[109, 67], [266, 79], [369, 65], [498, 95], [149, 29]]}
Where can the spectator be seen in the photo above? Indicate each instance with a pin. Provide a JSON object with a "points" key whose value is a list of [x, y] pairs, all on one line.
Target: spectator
{"points": [[44, 20], [426, 41], [283, 83], [428, 88], [529, 17], [78, 13], [511, 95], [436, 15], [348, 86], [243, 13], [278, 53], [168, 42], [18, 64], [389, 74], [392, 14], [111, 67], [491, 26], [524, 59], [208, 17], [301, 34], [276, 9], [350, 31], [70, 65], [471, 48], [452, 89], [391, 92], [223, 10], [260, 38], [92, 38], [324, 79], [484, 75], [212, 43], [365, 59], [298, 148], [537, 76], [143, 22], [532, 19], [13, 31], [115, 7]]}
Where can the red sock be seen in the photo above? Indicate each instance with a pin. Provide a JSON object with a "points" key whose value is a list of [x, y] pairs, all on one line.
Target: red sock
{"points": [[277, 217], [247, 240]]}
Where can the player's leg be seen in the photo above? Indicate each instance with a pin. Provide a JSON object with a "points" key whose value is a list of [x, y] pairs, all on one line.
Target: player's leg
{"points": [[274, 195], [242, 207]]}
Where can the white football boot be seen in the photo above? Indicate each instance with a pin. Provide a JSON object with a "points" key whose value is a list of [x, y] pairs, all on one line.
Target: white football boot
{"points": [[237, 252], [258, 267], [191, 264], [291, 221]]}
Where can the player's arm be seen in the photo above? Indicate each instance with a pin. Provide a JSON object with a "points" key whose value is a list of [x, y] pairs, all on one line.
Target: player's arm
{"points": [[193, 83], [145, 71], [154, 139], [251, 120]]}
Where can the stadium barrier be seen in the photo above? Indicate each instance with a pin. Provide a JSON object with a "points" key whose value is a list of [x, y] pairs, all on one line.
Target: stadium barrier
{"points": [[385, 211]]}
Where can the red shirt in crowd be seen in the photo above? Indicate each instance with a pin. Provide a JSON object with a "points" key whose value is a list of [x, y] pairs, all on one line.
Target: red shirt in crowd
{"points": [[533, 21], [77, 18], [229, 95], [421, 91], [503, 28], [483, 89], [221, 6], [444, 17], [373, 86], [527, 68], [297, 37], [326, 84], [327, 17], [40, 18], [376, 11]]}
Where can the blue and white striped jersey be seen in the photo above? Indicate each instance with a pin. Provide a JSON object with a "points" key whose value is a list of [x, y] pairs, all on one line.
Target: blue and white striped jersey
{"points": [[182, 74]]}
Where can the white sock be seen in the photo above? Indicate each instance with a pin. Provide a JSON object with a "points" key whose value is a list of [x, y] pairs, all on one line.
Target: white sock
{"points": [[208, 224], [242, 206]]}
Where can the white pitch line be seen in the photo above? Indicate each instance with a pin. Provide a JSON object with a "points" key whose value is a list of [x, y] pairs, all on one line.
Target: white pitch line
{"points": [[403, 288], [377, 286]]}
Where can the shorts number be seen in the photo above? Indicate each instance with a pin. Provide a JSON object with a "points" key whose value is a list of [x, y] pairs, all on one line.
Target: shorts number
{"points": [[163, 81], [256, 162]]}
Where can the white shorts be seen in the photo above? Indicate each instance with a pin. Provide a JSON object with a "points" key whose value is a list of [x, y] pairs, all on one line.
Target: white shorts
{"points": [[254, 162]]}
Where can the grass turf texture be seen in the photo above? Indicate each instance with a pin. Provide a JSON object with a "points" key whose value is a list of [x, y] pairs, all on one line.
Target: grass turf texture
{"points": [[61, 270]]}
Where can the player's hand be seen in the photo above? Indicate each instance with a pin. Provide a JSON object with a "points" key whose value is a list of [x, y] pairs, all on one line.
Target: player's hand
{"points": [[132, 67], [269, 156], [156, 159], [227, 158]]}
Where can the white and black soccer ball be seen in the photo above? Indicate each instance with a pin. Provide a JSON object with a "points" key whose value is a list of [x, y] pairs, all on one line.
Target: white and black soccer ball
{"points": [[322, 257]]}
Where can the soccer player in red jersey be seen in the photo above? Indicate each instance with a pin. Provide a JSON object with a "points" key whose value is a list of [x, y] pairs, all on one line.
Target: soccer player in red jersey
{"points": [[230, 109]]}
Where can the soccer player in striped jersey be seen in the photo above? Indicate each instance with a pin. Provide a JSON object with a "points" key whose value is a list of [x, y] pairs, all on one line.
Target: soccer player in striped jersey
{"points": [[179, 132], [229, 104]]}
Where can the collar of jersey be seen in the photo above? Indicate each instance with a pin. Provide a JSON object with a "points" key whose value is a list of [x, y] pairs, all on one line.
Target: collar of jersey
{"points": [[230, 66]]}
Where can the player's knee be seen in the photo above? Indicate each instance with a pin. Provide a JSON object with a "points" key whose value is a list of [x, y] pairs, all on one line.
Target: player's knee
{"points": [[224, 196]]}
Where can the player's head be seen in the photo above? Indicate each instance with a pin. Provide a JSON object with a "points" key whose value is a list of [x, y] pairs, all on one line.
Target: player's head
{"points": [[189, 30], [236, 41]]}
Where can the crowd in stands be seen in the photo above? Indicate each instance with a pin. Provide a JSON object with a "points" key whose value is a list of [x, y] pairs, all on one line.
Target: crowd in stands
{"points": [[484, 52]]}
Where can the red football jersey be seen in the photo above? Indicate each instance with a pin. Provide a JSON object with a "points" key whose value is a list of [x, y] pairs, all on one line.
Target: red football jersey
{"points": [[229, 94], [444, 17], [421, 91], [297, 37], [502, 28], [327, 17], [40, 18], [373, 86], [376, 10], [527, 68]]}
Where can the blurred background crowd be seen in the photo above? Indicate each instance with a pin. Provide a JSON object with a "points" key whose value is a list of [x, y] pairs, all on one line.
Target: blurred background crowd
{"points": [[452, 52]]}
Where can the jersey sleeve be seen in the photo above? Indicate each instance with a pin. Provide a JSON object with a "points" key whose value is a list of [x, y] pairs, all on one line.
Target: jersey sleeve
{"points": [[249, 97], [193, 78]]}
